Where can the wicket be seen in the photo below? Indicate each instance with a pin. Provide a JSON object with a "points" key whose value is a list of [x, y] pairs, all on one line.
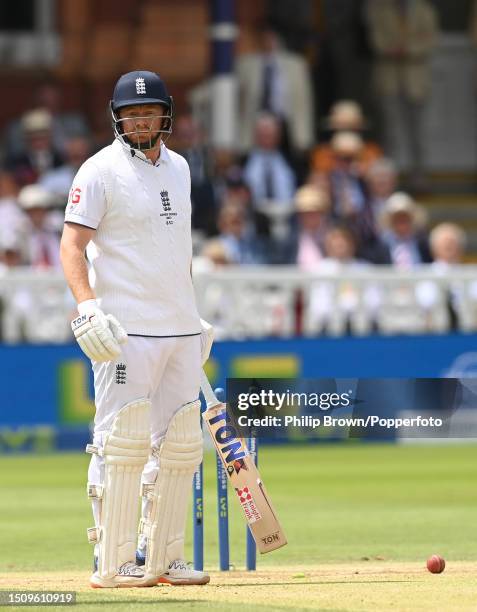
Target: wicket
{"points": [[223, 515]]}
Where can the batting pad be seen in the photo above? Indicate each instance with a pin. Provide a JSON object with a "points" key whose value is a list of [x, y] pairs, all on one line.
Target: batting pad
{"points": [[125, 450], [178, 457]]}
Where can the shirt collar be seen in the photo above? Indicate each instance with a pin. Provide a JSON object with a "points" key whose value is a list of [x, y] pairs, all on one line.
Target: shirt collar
{"points": [[163, 158]]}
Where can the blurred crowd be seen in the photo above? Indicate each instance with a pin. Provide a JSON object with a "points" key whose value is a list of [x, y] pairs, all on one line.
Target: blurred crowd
{"points": [[296, 190], [41, 152]]}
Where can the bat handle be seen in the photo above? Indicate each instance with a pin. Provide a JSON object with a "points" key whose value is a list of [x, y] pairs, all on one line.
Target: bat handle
{"points": [[209, 395]]}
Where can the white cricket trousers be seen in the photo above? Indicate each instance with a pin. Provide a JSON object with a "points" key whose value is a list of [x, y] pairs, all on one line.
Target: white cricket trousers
{"points": [[166, 370]]}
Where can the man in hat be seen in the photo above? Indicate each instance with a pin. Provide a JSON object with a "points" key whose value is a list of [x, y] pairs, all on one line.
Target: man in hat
{"points": [[39, 155], [349, 194], [42, 243], [402, 234], [345, 116], [312, 205]]}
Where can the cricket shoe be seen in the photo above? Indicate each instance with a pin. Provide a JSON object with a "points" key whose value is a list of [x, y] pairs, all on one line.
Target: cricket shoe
{"points": [[179, 573], [129, 575]]}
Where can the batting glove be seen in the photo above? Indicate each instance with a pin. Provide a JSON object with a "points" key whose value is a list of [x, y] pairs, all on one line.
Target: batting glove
{"points": [[98, 335], [206, 340]]}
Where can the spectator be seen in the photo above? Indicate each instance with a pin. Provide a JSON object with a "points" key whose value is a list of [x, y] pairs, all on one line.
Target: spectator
{"points": [[340, 250], [405, 244], [240, 246], [42, 243], [272, 183], [59, 180], [403, 34], [382, 181], [338, 305], [65, 125], [350, 202], [267, 173], [8, 187], [40, 155], [224, 163], [237, 191], [345, 116], [191, 145], [447, 242], [312, 206], [12, 219], [276, 81], [11, 255]]}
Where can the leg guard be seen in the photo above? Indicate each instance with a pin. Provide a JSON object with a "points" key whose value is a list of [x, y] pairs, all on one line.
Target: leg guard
{"points": [[178, 457], [125, 452]]}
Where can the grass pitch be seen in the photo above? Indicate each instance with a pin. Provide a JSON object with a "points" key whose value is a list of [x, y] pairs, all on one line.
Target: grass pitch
{"points": [[361, 521]]}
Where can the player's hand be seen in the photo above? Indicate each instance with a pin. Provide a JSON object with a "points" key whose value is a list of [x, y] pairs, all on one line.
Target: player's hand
{"points": [[98, 335], [206, 340]]}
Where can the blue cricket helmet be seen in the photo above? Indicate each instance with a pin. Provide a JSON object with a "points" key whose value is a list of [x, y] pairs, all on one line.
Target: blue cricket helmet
{"points": [[140, 87]]}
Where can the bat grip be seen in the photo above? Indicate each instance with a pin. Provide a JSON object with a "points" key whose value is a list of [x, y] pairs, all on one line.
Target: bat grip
{"points": [[209, 395]]}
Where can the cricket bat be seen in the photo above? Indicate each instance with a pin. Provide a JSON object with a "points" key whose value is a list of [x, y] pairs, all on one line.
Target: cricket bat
{"points": [[242, 474]]}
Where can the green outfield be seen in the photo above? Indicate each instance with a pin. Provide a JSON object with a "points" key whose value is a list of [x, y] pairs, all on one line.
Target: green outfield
{"points": [[360, 519]]}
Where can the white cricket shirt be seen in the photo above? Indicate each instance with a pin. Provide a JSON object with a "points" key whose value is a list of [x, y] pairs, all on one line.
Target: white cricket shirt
{"points": [[141, 252]]}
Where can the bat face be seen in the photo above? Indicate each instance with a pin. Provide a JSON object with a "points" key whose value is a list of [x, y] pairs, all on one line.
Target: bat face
{"points": [[245, 479], [225, 436]]}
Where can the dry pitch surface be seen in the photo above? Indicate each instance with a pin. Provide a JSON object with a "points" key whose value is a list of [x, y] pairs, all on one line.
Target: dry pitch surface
{"points": [[352, 587], [395, 505]]}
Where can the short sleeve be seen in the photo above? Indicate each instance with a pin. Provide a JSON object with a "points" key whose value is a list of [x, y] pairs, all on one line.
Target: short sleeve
{"points": [[87, 199]]}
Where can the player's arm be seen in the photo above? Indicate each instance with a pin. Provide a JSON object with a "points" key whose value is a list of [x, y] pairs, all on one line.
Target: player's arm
{"points": [[72, 251], [98, 335], [85, 209]]}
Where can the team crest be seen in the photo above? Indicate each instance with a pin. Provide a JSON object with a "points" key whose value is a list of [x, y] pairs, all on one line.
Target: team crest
{"points": [[167, 208], [140, 86], [121, 374]]}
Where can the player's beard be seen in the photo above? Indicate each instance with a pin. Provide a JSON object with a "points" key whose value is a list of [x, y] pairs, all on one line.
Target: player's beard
{"points": [[146, 145]]}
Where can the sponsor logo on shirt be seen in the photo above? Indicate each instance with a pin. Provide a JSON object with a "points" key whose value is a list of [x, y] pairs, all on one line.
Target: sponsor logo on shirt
{"points": [[75, 197]]}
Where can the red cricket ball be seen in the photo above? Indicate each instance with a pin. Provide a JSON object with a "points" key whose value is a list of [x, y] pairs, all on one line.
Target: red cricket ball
{"points": [[436, 564]]}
